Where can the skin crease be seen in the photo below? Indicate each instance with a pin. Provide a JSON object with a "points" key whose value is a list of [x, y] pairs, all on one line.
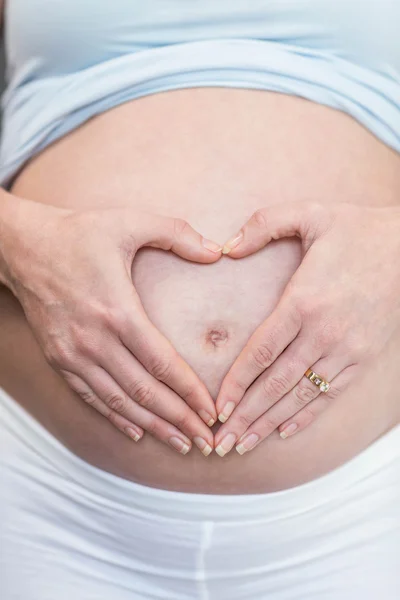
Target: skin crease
{"points": [[216, 184]]}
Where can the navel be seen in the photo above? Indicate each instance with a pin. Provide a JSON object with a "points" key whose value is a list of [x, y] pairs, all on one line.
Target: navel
{"points": [[217, 336]]}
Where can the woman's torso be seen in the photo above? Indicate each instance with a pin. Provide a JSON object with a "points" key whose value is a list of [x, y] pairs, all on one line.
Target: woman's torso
{"points": [[69, 60], [211, 156]]}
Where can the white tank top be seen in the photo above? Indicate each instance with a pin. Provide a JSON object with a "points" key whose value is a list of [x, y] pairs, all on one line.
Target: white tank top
{"points": [[68, 60]]}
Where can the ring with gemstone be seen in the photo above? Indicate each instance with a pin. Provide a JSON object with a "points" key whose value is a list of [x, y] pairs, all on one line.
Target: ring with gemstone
{"points": [[317, 380]]}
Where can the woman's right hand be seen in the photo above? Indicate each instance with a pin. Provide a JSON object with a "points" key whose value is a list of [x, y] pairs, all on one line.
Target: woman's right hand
{"points": [[71, 272]]}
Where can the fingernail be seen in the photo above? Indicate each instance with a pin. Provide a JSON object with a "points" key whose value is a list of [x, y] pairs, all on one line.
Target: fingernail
{"points": [[288, 431], [248, 443], [202, 445], [179, 445], [133, 434], [226, 411], [211, 245], [226, 445], [207, 418], [232, 243]]}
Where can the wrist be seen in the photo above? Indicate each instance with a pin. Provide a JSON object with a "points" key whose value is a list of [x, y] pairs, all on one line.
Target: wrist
{"points": [[22, 224]]}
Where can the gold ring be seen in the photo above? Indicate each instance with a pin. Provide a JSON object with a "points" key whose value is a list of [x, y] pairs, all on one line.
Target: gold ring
{"points": [[317, 380]]}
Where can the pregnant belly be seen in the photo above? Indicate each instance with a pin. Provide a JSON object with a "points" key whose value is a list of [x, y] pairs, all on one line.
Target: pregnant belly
{"points": [[211, 156]]}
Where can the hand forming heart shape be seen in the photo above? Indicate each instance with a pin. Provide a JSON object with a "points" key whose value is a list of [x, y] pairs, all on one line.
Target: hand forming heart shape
{"points": [[340, 308]]}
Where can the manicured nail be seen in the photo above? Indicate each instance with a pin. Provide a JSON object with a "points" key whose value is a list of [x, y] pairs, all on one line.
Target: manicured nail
{"points": [[211, 245], [232, 243], [179, 445], [248, 443], [202, 445], [207, 418], [133, 434], [226, 411], [226, 445], [288, 431]]}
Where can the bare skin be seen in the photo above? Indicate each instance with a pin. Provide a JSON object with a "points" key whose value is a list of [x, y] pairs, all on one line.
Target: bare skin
{"points": [[204, 156], [336, 315]]}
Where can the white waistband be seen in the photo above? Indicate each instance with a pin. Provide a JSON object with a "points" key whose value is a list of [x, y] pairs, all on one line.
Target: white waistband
{"points": [[127, 495]]}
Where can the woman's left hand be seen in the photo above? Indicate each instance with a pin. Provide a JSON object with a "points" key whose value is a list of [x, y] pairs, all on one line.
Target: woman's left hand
{"points": [[339, 309]]}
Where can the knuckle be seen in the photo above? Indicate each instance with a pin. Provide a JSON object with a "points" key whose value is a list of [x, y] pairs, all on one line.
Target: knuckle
{"points": [[58, 354], [180, 227], [83, 339], [234, 386], [308, 305], [161, 369], [50, 356], [276, 385], [245, 420], [79, 387], [110, 317], [294, 294], [116, 402], [85, 346], [143, 394], [87, 396], [332, 393], [300, 303], [357, 349], [269, 424], [263, 356], [114, 319], [98, 311], [113, 418], [315, 209], [95, 310], [303, 394], [128, 248], [328, 335], [259, 218]]}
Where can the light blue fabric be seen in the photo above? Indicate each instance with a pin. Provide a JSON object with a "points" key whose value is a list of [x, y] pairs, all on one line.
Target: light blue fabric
{"points": [[68, 60]]}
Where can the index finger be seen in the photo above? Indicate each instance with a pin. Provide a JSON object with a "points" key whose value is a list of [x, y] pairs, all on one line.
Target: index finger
{"points": [[265, 345], [163, 362]]}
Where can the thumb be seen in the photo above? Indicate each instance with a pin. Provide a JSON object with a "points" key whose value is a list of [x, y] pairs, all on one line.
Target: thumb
{"points": [[175, 235], [306, 220]]}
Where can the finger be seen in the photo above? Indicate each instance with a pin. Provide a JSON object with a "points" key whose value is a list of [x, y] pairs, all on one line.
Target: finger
{"points": [[261, 351], [297, 398], [87, 395], [164, 363], [262, 427], [308, 414], [306, 220], [269, 389], [175, 235], [116, 399], [150, 394]]}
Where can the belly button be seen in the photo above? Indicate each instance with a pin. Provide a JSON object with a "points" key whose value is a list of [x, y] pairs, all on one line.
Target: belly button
{"points": [[217, 336]]}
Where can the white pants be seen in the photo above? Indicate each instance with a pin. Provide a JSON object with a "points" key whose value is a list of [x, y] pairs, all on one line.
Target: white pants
{"points": [[70, 531]]}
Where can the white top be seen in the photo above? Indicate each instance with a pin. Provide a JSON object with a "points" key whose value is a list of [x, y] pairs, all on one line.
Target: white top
{"points": [[68, 60]]}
